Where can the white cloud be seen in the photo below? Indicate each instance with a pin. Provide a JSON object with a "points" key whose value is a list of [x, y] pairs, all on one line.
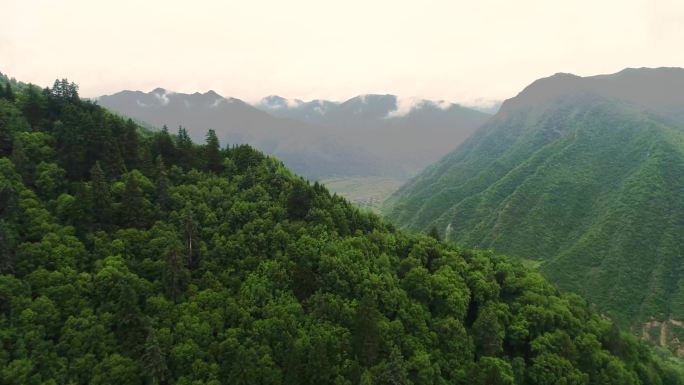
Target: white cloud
{"points": [[163, 97], [321, 109], [293, 103], [405, 106], [482, 103], [443, 104], [216, 102]]}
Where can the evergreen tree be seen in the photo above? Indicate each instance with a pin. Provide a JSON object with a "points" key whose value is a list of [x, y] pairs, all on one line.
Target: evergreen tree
{"points": [[154, 361], [9, 93], [33, 106], [299, 201], [100, 145], [130, 145], [434, 233], [213, 152], [146, 163], [113, 160], [71, 144], [162, 184], [101, 198], [7, 249], [175, 274], [185, 149], [165, 146], [81, 211], [56, 90], [21, 161], [133, 203], [366, 336], [190, 235], [6, 138], [65, 91]]}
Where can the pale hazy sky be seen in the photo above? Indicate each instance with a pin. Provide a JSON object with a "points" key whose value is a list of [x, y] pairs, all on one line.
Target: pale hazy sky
{"points": [[453, 50]]}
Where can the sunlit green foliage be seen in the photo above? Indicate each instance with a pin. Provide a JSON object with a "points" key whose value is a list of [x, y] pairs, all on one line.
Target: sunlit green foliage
{"points": [[167, 266]]}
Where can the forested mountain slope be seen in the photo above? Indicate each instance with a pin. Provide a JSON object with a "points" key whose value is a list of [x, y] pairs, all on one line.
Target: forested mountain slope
{"points": [[138, 257], [582, 177]]}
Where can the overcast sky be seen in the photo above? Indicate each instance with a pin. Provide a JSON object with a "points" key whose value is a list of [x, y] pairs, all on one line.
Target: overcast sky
{"points": [[461, 51]]}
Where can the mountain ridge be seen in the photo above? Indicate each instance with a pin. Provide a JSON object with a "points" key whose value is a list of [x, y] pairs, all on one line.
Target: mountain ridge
{"points": [[587, 183], [319, 139]]}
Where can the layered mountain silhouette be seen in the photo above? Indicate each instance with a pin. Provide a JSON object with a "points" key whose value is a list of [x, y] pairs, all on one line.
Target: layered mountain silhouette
{"points": [[408, 133], [370, 135], [307, 149], [583, 174]]}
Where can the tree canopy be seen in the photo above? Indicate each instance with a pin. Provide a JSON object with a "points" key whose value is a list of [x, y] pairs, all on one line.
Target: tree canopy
{"points": [[179, 263]]}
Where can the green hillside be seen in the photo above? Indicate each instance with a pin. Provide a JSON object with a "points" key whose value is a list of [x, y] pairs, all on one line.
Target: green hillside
{"points": [[590, 186], [137, 257]]}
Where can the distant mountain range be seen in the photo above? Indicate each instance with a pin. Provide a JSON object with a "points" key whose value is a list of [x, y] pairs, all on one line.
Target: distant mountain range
{"points": [[369, 135], [583, 174]]}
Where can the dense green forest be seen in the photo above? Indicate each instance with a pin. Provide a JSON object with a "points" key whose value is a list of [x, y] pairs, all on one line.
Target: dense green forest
{"points": [[589, 186], [130, 256]]}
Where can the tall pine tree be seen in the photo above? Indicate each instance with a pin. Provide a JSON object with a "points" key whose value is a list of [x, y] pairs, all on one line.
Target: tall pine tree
{"points": [[162, 184], [190, 235], [9, 93], [165, 146], [101, 198], [130, 145], [133, 203], [185, 149], [21, 161], [213, 152]]}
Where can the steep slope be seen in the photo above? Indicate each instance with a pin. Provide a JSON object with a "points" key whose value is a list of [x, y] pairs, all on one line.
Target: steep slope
{"points": [[308, 150], [218, 266], [577, 173]]}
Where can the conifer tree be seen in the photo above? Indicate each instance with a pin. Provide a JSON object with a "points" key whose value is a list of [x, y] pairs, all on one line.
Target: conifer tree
{"points": [[20, 160], [213, 152], [175, 275], [6, 249], [101, 198], [5, 139], [190, 235], [162, 184], [82, 211], [33, 106], [133, 203], [130, 145], [165, 146], [146, 163], [154, 360], [185, 148], [299, 201], [434, 233], [9, 93]]}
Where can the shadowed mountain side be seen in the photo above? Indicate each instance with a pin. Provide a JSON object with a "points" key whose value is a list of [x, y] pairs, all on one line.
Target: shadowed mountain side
{"points": [[583, 174], [408, 133], [310, 151]]}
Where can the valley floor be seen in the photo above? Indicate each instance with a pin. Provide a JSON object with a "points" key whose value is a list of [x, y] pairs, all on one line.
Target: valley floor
{"points": [[368, 192]]}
